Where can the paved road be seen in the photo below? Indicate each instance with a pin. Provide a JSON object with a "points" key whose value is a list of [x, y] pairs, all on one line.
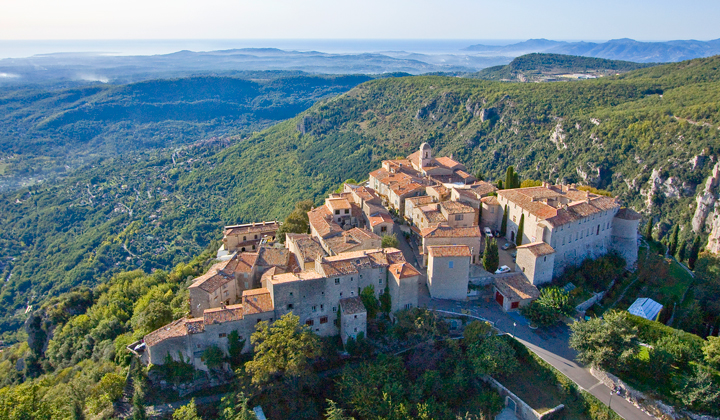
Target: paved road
{"points": [[550, 344]]}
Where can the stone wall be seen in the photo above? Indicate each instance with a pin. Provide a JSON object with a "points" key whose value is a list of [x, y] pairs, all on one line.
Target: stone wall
{"points": [[522, 410], [445, 282]]}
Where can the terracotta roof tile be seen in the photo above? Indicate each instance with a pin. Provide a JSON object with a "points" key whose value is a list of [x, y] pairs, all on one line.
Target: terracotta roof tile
{"points": [[262, 227], [308, 247], [482, 188], [516, 287], [172, 330], [352, 305], [321, 219], [627, 214], [220, 315], [449, 163], [257, 301], [268, 257], [454, 207], [215, 277], [449, 251], [538, 249], [445, 231], [491, 201], [403, 270], [380, 218]]}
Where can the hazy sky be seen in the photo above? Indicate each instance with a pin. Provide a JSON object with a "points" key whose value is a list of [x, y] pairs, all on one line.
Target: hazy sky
{"points": [[388, 19]]}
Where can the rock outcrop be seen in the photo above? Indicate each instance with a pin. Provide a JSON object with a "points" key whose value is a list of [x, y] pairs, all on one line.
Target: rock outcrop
{"points": [[706, 200], [558, 137]]}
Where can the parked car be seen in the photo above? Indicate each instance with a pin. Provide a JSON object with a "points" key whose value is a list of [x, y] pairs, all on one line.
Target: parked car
{"points": [[488, 232], [507, 246], [503, 269]]}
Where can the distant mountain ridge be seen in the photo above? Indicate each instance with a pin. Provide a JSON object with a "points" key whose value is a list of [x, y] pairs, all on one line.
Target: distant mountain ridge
{"points": [[537, 67], [616, 49]]}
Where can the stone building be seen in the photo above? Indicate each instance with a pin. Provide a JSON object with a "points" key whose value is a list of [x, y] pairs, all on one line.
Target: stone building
{"points": [[446, 235], [247, 237], [513, 291], [575, 224], [353, 318], [536, 261], [314, 293], [448, 271], [414, 202]]}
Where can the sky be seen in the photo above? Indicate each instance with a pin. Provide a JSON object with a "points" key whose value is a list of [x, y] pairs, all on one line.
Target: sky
{"points": [[367, 19]]}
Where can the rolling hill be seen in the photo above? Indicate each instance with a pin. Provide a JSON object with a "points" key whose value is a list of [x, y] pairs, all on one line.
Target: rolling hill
{"points": [[648, 135]]}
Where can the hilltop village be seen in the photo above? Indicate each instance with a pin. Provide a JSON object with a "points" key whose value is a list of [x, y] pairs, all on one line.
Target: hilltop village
{"points": [[447, 212]]}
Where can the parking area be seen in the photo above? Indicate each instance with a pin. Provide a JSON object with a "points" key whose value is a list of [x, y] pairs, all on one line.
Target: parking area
{"points": [[506, 257]]}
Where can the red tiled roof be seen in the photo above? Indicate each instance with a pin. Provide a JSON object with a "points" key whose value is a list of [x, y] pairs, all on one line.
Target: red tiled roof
{"points": [[172, 330], [482, 188], [352, 305], [380, 218], [449, 251], [516, 287], [454, 207], [321, 220], [262, 227], [445, 231], [491, 201], [308, 247], [403, 270], [245, 262], [257, 301], [220, 315], [538, 249], [214, 278]]}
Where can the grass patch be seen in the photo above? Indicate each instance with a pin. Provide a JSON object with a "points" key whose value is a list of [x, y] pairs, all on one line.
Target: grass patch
{"points": [[531, 386]]}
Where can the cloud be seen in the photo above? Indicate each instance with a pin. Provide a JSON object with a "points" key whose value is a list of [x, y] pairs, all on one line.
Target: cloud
{"points": [[8, 76], [93, 78]]}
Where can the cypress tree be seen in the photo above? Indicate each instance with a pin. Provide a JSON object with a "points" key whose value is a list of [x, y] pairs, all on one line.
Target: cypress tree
{"points": [[510, 177], [694, 251], [674, 240], [503, 226], [516, 180], [521, 228], [681, 251], [500, 184], [491, 259], [649, 229]]}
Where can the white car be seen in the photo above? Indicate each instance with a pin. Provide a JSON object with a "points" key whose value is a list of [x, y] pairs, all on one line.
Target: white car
{"points": [[503, 269], [488, 232]]}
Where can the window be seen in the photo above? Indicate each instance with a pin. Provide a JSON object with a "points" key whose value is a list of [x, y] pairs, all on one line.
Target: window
{"points": [[492, 210], [314, 308], [291, 293], [451, 264], [290, 306], [255, 236], [340, 294], [337, 211], [322, 307], [379, 281], [347, 211], [514, 305], [226, 293], [309, 322], [222, 335], [355, 329], [355, 316], [458, 217], [383, 228], [513, 218], [337, 281], [351, 279], [253, 246], [408, 305], [244, 238], [334, 308], [544, 258]]}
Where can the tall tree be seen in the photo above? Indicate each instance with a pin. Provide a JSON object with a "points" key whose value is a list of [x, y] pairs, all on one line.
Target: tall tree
{"points": [[491, 259], [187, 412], [334, 412], [694, 251], [389, 241], [672, 245], [681, 251], [282, 350], [385, 299], [372, 306], [510, 177], [649, 229], [521, 230], [503, 225]]}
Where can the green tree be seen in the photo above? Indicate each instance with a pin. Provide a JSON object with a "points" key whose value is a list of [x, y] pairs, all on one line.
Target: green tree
{"points": [[649, 229], [499, 184], [491, 258], [479, 176], [236, 407], [282, 350], [503, 225], [672, 245], [521, 230], [372, 306], [476, 331], [530, 183], [334, 412], [699, 390], [386, 299], [235, 348], [390, 241], [187, 412], [510, 177], [492, 356], [711, 350], [213, 357], [607, 343], [694, 251], [297, 221], [681, 251], [547, 310], [350, 181]]}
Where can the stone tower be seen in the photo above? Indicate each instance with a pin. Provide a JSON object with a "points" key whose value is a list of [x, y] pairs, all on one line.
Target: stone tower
{"points": [[425, 155]]}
